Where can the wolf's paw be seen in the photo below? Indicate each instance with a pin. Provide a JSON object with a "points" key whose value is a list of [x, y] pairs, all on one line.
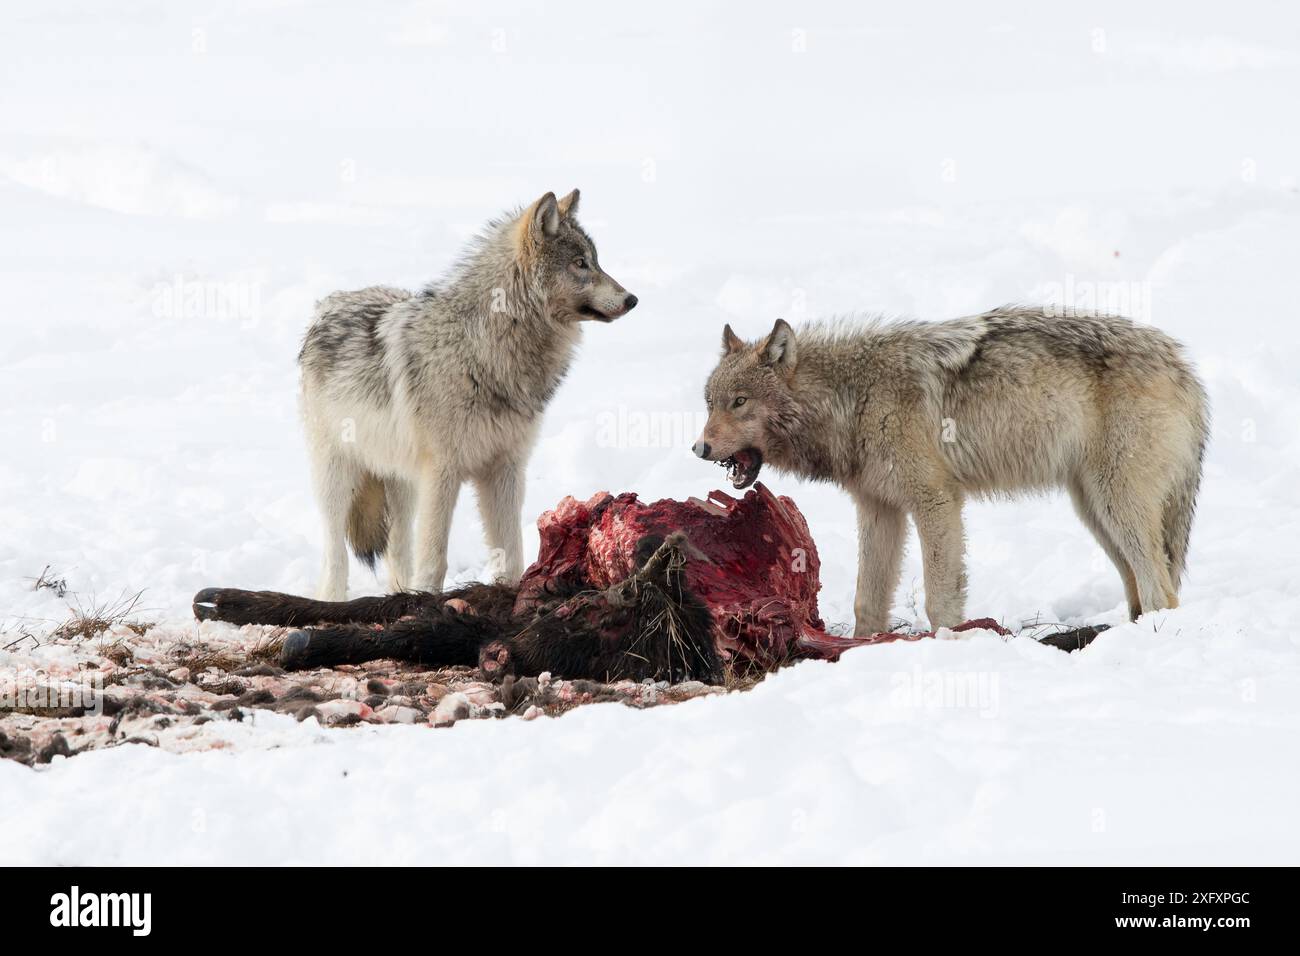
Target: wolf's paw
{"points": [[494, 661]]}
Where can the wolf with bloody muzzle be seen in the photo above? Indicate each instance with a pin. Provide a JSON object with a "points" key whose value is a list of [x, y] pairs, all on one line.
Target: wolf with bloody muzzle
{"points": [[911, 418]]}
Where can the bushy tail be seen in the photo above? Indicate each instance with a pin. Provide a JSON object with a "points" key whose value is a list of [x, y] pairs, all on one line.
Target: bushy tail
{"points": [[368, 519], [1180, 506]]}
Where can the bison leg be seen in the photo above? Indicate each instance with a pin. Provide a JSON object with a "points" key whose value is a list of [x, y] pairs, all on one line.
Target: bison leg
{"points": [[439, 638], [287, 610]]}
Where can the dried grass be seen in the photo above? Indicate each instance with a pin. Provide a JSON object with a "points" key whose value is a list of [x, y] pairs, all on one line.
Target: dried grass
{"points": [[50, 581], [200, 657], [90, 620]]}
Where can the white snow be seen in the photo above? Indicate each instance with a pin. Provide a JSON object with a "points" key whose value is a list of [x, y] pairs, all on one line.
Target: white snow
{"points": [[179, 182]]}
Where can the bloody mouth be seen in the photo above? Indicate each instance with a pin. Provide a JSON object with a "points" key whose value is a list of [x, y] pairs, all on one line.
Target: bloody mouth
{"points": [[743, 467]]}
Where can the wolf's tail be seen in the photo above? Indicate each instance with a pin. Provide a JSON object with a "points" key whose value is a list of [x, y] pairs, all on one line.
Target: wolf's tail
{"points": [[368, 519], [1180, 505]]}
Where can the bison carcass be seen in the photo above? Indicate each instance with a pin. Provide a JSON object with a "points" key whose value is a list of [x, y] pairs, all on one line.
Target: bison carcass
{"points": [[751, 561], [668, 590]]}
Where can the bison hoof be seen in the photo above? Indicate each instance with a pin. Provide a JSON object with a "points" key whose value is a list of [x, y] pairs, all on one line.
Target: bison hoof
{"points": [[205, 604], [1075, 639], [494, 660], [294, 646]]}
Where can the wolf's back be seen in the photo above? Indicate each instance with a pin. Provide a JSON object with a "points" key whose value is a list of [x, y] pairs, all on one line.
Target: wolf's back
{"points": [[345, 325]]}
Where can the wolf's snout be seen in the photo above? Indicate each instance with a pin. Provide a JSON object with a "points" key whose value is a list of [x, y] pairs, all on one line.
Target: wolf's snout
{"points": [[629, 303], [701, 448]]}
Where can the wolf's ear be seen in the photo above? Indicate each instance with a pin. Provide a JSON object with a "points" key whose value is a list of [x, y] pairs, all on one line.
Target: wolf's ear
{"points": [[543, 218], [569, 205], [731, 342], [778, 349]]}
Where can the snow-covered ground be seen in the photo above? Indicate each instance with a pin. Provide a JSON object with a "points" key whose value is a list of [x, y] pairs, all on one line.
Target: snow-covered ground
{"points": [[179, 182]]}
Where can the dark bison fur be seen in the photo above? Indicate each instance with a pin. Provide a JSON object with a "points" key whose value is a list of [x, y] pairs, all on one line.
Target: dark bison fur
{"points": [[649, 626]]}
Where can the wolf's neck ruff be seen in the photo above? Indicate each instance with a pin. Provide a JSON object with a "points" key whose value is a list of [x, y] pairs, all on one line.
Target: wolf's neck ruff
{"points": [[803, 433], [521, 345]]}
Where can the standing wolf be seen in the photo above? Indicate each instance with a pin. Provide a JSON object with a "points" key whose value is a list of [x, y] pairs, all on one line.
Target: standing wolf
{"points": [[911, 418], [406, 396]]}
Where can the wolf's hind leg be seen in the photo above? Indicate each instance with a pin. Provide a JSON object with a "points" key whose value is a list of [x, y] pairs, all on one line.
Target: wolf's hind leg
{"points": [[336, 479], [401, 514], [1091, 519], [1133, 523], [436, 496], [500, 500]]}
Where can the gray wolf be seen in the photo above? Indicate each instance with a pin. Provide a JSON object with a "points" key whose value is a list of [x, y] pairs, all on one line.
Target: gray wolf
{"points": [[911, 418], [407, 396]]}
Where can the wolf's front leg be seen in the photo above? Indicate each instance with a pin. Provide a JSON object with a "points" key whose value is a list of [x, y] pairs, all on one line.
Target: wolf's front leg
{"points": [[436, 496], [881, 531], [938, 524], [500, 500]]}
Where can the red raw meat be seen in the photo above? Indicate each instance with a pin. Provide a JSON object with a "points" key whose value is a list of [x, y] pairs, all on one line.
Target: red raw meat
{"points": [[754, 564]]}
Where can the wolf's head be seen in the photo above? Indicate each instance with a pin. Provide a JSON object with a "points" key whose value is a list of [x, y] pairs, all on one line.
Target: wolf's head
{"points": [[556, 252], [747, 395]]}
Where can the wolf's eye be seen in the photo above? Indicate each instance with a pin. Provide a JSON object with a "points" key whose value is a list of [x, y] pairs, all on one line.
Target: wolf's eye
{"points": [[580, 262], [739, 401]]}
